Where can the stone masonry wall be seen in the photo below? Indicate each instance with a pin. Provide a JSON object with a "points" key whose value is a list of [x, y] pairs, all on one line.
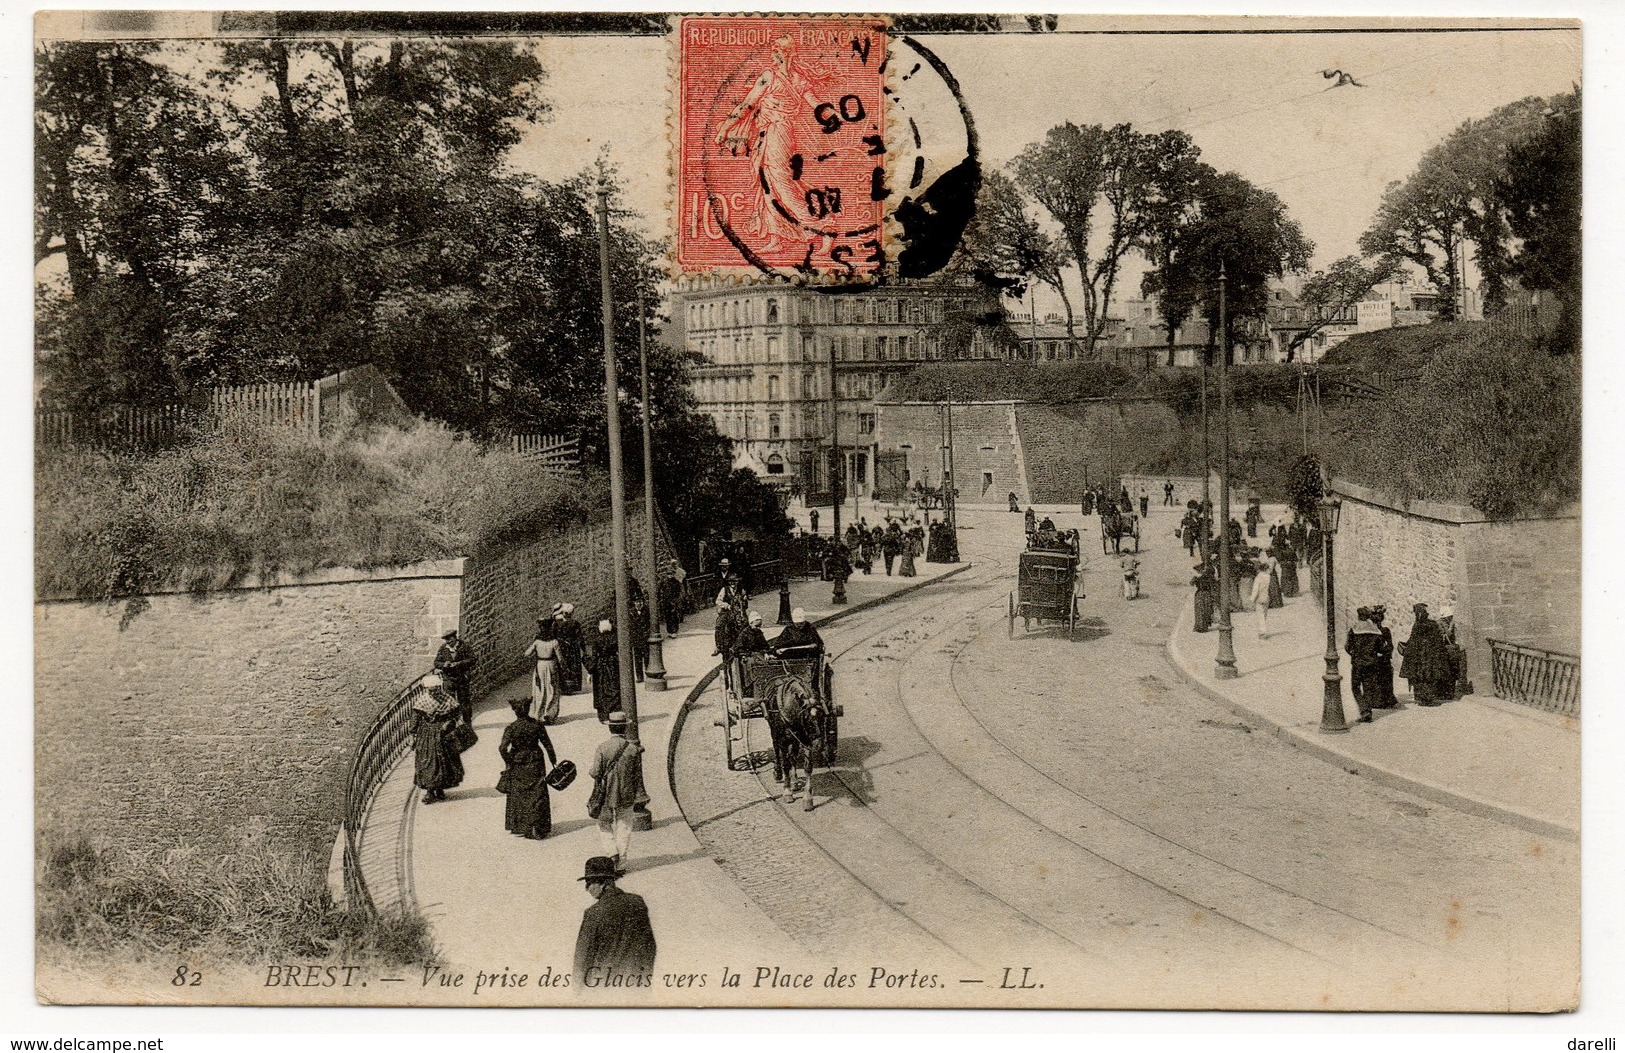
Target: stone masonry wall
{"points": [[1069, 447], [983, 442], [505, 591], [208, 718], [1515, 580]]}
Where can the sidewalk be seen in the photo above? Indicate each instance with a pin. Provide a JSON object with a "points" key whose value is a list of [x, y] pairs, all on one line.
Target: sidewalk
{"points": [[494, 899], [1479, 755]]}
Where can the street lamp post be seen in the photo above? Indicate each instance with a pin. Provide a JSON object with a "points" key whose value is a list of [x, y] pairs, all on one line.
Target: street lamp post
{"points": [[654, 669], [1225, 663], [1331, 712], [837, 472], [617, 495]]}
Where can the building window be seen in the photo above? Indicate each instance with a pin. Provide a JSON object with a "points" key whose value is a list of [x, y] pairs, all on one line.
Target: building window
{"points": [[775, 463], [987, 482], [807, 389], [773, 387], [902, 348], [772, 311], [773, 430], [882, 351], [866, 424]]}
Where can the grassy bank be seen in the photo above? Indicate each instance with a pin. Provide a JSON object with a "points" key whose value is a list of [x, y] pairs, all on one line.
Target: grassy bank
{"points": [[260, 500], [260, 903]]}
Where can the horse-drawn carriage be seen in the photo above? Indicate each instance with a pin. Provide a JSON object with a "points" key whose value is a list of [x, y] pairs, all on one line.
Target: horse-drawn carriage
{"points": [[1046, 590], [793, 692], [1117, 526]]}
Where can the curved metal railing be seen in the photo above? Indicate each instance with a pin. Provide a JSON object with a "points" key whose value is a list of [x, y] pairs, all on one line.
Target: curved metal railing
{"points": [[380, 745]]}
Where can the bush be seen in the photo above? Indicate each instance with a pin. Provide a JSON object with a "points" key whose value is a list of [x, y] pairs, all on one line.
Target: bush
{"points": [[257, 500], [259, 903], [1492, 420]]}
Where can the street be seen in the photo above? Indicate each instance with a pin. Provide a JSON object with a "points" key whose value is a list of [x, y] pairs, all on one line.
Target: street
{"points": [[1077, 805]]}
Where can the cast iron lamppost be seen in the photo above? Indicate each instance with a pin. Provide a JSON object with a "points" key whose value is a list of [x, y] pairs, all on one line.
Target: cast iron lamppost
{"points": [[654, 670], [617, 494], [1225, 667], [837, 471], [1331, 713]]}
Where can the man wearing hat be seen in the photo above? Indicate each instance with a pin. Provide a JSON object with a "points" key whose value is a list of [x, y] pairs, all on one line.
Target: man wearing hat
{"points": [[615, 948], [455, 663], [617, 775], [1451, 687], [606, 670]]}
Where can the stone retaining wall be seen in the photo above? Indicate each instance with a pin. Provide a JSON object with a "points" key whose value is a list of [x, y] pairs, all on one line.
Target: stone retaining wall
{"points": [[208, 717], [1515, 580]]}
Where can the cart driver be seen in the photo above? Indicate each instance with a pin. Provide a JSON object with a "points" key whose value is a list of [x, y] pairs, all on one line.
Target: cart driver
{"points": [[799, 633]]}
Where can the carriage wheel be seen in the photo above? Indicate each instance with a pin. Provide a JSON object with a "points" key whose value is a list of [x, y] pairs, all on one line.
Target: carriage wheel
{"points": [[728, 727], [1010, 619], [1103, 539], [1136, 541], [832, 740], [1072, 621]]}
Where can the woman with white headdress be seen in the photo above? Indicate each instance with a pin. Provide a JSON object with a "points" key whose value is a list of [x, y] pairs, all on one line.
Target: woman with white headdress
{"points": [[438, 763]]}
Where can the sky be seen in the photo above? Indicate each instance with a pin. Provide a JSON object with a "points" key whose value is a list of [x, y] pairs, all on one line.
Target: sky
{"points": [[1255, 104]]}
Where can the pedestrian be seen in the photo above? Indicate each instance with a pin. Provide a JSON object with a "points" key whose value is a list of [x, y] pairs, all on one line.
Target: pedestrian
{"points": [[1424, 661], [812, 517], [671, 601], [1364, 644], [1265, 586], [839, 565], [455, 663], [617, 791], [913, 545], [1207, 595], [637, 611], [1255, 516], [891, 545], [527, 751], [437, 762], [1031, 522], [1145, 503], [572, 649], [1087, 504], [615, 949], [1451, 687], [1015, 506], [784, 601], [1168, 494], [544, 678], [606, 671], [1287, 557], [1385, 659]]}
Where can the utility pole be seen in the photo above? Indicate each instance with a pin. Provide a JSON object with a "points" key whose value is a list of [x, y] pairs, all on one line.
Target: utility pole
{"points": [[617, 494], [837, 470], [654, 670], [1225, 667]]}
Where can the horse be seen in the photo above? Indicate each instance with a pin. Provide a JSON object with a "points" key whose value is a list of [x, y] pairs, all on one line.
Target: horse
{"points": [[796, 720]]}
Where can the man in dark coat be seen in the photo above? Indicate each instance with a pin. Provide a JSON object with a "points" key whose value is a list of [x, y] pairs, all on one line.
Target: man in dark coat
{"points": [[891, 545], [812, 517], [799, 633], [1207, 596], [671, 601], [1425, 660], [637, 609], [1364, 647], [572, 652], [455, 663], [615, 948]]}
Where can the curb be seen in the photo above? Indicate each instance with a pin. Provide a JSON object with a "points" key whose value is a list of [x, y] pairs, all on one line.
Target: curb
{"points": [[1315, 747]]}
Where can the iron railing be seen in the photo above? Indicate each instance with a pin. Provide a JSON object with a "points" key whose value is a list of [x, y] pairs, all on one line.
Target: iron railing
{"points": [[700, 590], [380, 746], [1536, 677]]}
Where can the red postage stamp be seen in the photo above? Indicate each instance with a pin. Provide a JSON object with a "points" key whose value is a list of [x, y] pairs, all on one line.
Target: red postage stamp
{"points": [[781, 162]]}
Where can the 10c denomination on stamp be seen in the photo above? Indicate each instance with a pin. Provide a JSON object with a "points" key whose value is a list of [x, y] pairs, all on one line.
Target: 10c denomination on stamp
{"points": [[781, 163]]}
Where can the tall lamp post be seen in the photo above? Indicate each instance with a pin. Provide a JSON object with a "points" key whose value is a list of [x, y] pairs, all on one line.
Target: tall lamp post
{"points": [[1331, 712], [617, 495], [1225, 663], [837, 471], [654, 670]]}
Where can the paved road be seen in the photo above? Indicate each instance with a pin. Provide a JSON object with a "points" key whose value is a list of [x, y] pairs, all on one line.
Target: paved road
{"points": [[1075, 808]]}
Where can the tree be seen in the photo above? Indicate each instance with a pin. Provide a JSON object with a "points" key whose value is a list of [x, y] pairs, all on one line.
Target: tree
{"points": [[1448, 203], [1169, 227], [1330, 294], [1090, 178], [1539, 192], [1002, 253]]}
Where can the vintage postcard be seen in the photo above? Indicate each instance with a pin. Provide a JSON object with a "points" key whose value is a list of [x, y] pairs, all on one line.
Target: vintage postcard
{"points": [[1085, 513]]}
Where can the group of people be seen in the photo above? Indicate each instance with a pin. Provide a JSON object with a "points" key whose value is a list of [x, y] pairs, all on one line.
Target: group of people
{"points": [[890, 545], [1431, 661], [1271, 574], [1096, 501]]}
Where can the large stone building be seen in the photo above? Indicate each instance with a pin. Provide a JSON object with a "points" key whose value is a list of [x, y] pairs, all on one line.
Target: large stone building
{"points": [[767, 352]]}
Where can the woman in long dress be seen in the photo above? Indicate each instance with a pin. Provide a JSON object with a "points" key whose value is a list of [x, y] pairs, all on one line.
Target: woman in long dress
{"points": [[606, 671], [528, 752], [438, 764], [544, 679], [911, 549]]}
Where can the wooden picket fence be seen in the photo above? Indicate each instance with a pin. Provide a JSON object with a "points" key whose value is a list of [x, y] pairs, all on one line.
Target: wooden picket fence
{"points": [[290, 405], [294, 405], [559, 456]]}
